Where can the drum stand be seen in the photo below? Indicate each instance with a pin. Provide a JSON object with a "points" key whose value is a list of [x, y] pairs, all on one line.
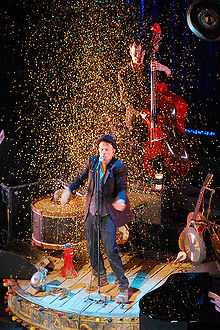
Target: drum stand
{"points": [[98, 297]]}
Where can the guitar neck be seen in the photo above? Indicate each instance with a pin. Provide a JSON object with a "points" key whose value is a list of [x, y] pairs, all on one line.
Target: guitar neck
{"points": [[198, 203], [201, 195]]}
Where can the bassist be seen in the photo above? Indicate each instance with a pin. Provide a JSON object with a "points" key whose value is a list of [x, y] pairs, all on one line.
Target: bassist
{"points": [[134, 87]]}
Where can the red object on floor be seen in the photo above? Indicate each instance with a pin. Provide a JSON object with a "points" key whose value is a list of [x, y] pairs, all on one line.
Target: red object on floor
{"points": [[68, 270]]}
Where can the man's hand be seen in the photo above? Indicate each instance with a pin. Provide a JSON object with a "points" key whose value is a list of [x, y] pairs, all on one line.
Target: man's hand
{"points": [[65, 197], [119, 205], [57, 195]]}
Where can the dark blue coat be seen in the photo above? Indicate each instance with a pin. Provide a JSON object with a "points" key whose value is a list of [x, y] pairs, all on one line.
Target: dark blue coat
{"points": [[114, 187]]}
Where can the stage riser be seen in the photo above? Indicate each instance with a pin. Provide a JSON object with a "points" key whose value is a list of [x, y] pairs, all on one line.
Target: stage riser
{"points": [[70, 305], [45, 319]]}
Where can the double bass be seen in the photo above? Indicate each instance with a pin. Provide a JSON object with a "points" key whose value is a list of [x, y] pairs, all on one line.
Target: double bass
{"points": [[165, 121]]}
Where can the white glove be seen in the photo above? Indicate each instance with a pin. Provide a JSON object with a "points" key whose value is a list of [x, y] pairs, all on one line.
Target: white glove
{"points": [[65, 197]]}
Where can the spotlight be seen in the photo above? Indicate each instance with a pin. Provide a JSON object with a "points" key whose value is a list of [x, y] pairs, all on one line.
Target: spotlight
{"points": [[203, 18]]}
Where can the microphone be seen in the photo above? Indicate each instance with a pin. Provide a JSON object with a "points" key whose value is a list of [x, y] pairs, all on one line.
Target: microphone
{"points": [[101, 164], [101, 159]]}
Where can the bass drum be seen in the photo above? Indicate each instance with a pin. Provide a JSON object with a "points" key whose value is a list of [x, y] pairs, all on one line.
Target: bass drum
{"points": [[54, 225], [146, 230]]}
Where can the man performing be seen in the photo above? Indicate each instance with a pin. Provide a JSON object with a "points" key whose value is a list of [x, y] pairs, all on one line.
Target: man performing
{"points": [[135, 91], [112, 211]]}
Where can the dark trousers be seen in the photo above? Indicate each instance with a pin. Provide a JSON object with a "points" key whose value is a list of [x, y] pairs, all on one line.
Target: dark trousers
{"points": [[108, 237]]}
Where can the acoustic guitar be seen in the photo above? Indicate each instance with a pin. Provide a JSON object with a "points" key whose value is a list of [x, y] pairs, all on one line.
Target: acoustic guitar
{"points": [[197, 214], [191, 238]]}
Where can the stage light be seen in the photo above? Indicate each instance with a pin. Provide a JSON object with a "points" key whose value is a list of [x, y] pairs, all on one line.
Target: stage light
{"points": [[203, 18], [200, 132]]}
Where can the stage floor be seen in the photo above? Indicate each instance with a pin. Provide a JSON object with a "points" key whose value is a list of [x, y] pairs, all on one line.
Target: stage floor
{"points": [[67, 303]]}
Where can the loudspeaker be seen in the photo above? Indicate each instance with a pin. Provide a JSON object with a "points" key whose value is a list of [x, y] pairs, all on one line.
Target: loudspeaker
{"points": [[181, 301], [15, 204], [147, 323]]}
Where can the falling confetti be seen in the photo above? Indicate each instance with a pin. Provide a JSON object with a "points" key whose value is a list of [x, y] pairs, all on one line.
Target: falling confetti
{"points": [[72, 52]]}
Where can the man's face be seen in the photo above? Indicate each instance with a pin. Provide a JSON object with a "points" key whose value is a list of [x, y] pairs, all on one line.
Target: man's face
{"points": [[106, 150], [137, 53]]}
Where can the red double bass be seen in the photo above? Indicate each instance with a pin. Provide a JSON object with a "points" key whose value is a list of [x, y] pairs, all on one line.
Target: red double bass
{"points": [[166, 123]]}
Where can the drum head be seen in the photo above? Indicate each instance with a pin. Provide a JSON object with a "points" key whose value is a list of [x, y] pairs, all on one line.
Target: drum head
{"points": [[46, 207]]}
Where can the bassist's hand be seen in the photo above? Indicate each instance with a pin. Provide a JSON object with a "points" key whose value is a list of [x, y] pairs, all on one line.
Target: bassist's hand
{"points": [[161, 67]]}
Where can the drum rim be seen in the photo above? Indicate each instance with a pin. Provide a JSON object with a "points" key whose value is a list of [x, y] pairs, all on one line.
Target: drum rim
{"points": [[45, 213], [45, 245]]}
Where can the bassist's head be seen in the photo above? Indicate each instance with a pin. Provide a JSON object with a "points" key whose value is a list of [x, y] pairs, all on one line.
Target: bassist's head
{"points": [[137, 52]]}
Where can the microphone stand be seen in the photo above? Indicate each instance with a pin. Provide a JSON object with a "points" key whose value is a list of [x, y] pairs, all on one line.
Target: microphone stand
{"points": [[98, 206]]}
